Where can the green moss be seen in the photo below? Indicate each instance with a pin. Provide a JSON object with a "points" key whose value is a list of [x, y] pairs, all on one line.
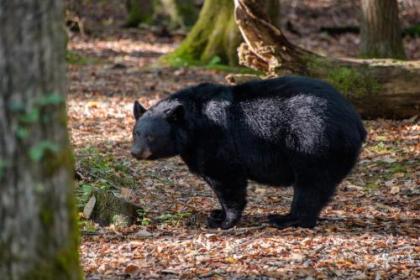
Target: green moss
{"points": [[53, 161], [78, 59], [350, 81], [232, 69], [87, 226], [47, 215], [110, 209], [353, 82], [203, 43]]}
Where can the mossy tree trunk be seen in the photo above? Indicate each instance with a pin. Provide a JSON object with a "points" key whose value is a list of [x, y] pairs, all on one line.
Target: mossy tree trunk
{"points": [[139, 11], [38, 235], [378, 88], [172, 13], [380, 30], [214, 36]]}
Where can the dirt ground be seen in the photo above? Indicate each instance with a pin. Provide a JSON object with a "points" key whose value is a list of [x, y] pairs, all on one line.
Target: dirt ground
{"points": [[369, 231]]}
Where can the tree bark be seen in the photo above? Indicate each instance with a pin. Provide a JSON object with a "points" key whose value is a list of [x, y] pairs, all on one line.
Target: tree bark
{"points": [[380, 30], [139, 11], [214, 36], [272, 7], [38, 226], [174, 13], [378, 88]]}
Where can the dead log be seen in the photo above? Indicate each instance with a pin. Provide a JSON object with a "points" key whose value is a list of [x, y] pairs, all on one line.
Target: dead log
{"points": [[386, 88], [106, 207]]}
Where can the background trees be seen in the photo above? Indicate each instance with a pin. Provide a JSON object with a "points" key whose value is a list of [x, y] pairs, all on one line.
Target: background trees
{"points": [[380, 88], [173, 13], [215, 36], [380, 30], [38, 230]]}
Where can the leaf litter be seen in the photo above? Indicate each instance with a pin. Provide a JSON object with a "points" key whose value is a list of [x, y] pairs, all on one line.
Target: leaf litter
{"points": [[370, 230]]}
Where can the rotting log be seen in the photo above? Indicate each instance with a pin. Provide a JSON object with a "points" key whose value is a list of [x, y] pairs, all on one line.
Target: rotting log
{"points": [[378, 88], [108, 208]]}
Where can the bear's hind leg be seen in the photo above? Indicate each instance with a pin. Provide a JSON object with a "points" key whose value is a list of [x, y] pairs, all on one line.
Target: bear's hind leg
{"points": [[309, 197]]}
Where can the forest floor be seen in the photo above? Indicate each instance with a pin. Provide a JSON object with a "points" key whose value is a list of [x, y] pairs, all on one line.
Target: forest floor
{"points": [[370, 230]]}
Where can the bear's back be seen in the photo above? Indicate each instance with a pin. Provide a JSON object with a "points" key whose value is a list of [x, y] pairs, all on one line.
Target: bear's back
{"points": [[294, 112]]}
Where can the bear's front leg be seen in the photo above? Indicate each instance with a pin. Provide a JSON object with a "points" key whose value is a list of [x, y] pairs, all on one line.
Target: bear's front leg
{"points": [[232, 198]]}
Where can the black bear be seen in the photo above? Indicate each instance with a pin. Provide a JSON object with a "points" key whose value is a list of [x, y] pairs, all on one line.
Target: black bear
{"points": [[289, 131]]}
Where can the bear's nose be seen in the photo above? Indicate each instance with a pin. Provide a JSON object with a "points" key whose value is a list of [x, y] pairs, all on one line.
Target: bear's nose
{"points": [[136, 153], [141, 153]]}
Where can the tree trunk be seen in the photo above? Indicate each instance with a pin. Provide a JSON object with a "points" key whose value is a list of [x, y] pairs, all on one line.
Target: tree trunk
{"points": [[378, 88], [38, 236], [272, 7], [172, 13], [181, 13], [139, 11], [380, 30], [214, 36]]}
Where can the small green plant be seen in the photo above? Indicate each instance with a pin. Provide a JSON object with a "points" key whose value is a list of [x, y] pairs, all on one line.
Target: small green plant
{"points": [[142, 217], [83, 193], [78, 59], [380, 148], [173, 218], [216, 60], [397, 168], [100, 171], [104, 171], [372, 185], [87, 226]]}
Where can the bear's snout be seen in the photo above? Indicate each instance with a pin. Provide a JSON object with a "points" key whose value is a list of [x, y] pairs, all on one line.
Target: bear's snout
{"points": [[141, 153]]}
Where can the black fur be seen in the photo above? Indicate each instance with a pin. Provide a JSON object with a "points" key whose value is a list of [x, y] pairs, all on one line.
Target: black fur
{"points": [[290, 131]]}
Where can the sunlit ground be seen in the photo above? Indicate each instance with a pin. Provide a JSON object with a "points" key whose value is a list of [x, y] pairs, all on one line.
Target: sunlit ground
{"points": [[369, 230]]}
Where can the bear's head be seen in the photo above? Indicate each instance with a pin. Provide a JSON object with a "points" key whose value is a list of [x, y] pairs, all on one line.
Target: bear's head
{"points": [[157, 131]]}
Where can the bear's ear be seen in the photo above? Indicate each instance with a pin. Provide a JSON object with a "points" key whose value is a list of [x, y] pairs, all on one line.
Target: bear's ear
{"points": [[175, 114], [138, 110]]}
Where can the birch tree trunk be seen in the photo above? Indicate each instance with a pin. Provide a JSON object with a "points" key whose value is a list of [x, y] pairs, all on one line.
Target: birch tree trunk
{"points": [[381, 32], [38, 228]]}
